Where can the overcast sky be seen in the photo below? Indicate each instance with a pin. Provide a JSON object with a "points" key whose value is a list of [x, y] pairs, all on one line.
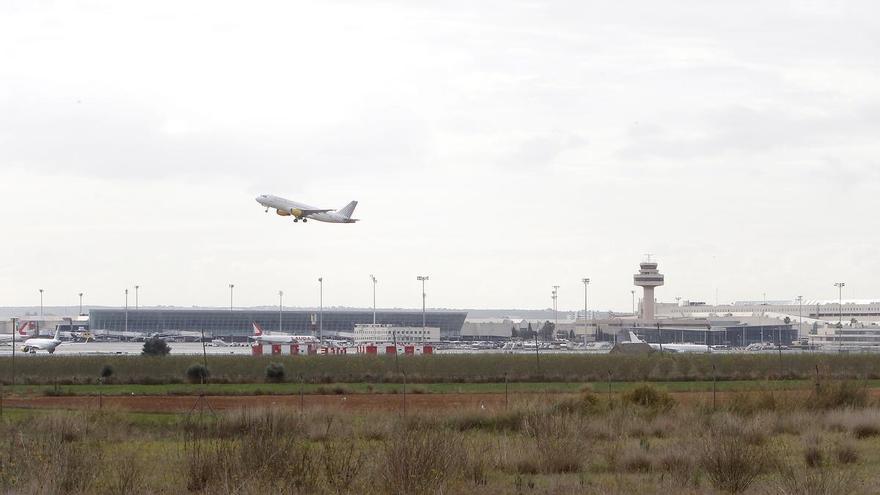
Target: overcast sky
{"points": [[499, 147]]}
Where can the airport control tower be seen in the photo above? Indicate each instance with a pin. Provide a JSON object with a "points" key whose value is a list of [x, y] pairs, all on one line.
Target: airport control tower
{"points": [[648, 278]]}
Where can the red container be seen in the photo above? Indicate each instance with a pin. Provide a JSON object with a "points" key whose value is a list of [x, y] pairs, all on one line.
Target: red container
{"points": [[371, 349], [257, 350], [390, 349], [428, 349], [276, 349], [409, 349]]}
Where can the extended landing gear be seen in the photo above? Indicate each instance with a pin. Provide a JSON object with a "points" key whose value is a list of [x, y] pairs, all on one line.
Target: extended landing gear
{"points": [[305, 220], [267, 210], [295, 220]]}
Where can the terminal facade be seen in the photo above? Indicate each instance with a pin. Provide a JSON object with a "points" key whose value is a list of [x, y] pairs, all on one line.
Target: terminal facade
{"points": [[236, 325]]}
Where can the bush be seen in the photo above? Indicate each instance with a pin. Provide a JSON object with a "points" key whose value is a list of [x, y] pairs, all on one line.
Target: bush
{"points": [[839, 395], [586, 403], [275, 373], [106, 371], [730, 463], [197, 373], [154, 346], [846, 453], [649, 397], [421, 461]]}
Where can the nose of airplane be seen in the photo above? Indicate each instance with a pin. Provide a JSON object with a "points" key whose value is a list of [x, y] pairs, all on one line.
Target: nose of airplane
{"points": [[257, 199]]}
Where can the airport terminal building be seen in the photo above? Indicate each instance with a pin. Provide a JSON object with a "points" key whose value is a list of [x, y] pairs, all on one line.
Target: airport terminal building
{"points": [[237, 324]]}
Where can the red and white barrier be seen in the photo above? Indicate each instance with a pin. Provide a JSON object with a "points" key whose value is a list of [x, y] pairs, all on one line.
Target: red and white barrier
{"points": [[315, 349]]}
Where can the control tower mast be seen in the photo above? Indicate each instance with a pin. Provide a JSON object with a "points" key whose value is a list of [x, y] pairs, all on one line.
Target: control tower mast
{"points": [[648, 278]]}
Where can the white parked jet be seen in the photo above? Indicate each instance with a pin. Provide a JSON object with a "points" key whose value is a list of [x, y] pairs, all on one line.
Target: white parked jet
{"points": [[671, 347], [281, 338], [300, 211], [8, 338], [42, 344]]}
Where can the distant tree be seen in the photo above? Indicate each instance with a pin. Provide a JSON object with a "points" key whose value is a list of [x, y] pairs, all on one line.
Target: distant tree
{"points": [[853, 322], [571, 334], [514, 333], [275, 373], [154, 346], [197, 373], [787, 320], [547, 331], [106, 371]]}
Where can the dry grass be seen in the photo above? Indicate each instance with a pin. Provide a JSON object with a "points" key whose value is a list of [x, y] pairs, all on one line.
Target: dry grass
{"points": [[584, 444]]}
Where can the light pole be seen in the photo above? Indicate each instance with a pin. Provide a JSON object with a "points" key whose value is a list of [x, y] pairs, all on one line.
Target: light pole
{"points": [[80, 303], [373, 278], [280, 308], [800, 300], [840, 286], [40, 324], [321, 311], [126, 310], [586, 282], [555, 313], [423, 279], [14, 331], [633, 293], [136, 301], [231, 288]]}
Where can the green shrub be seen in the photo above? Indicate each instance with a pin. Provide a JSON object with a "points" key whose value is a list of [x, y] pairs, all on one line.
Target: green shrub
{"points": [[106, 371], [275, 373], [197, 373], [155, 346]]}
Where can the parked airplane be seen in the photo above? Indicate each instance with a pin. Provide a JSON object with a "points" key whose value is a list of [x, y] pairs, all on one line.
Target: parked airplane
{"points": [[671, 347], [300, 211], [42, 344], [8, 338], [281, 338]]}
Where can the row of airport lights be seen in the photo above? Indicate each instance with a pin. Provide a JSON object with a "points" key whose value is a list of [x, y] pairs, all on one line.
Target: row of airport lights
{"points": [[422, 279]]}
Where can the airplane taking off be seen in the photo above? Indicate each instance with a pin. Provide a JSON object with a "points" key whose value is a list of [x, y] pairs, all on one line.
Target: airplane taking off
{"points": [[670, 347], [280, 338], [42, 344], [300, 211]]}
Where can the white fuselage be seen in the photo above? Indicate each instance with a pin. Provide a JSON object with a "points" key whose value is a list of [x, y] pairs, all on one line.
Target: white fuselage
{"points": [[288, 208], [40, 344], [285, 339], [680, 347]]}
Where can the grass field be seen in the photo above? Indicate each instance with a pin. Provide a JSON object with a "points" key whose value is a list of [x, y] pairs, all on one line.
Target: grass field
{"points": [[642, 440], [475, 425], [220, 389], [476, 368]]}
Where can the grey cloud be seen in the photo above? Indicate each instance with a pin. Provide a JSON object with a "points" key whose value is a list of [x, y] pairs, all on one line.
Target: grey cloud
{"points": [[111, 140], [542, 150]]}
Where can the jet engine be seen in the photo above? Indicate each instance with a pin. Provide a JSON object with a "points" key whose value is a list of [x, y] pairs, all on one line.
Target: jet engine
{"points": [[296, 212], [283, 213]]}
